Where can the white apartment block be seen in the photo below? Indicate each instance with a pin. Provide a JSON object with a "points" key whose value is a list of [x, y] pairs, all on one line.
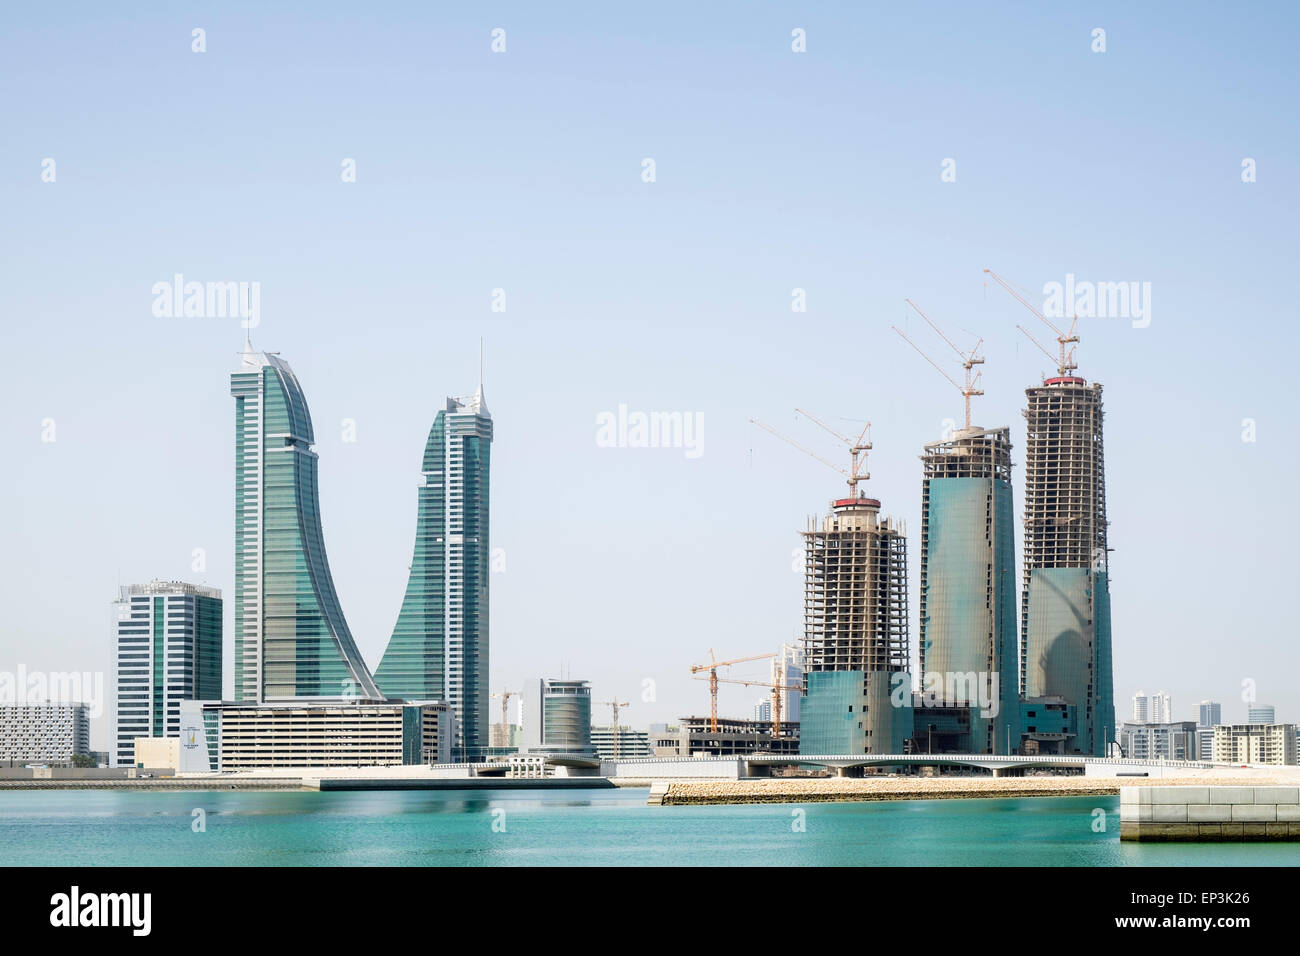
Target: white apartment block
{"points": [[1255, 743], [43, 732]]}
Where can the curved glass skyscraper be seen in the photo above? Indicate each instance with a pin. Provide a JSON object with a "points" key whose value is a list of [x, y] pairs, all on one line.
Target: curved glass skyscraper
{"points": [[291, 641], [439, 646]]}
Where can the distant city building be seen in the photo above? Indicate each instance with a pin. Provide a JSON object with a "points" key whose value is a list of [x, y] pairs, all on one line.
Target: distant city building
{"points": [[42, 733], [1065, 648], [557, 716], [855, 633], [168, 650], [506, 736], [1255, 743], [968, 645], [161, 752], [787, 673], [1160, 741], [692, 736], [1154, 708], [291, 640], [1261, 714], [1211, 715], [1205, 742], [219, 736], [631, 743], [439, 647], [763, 711]]}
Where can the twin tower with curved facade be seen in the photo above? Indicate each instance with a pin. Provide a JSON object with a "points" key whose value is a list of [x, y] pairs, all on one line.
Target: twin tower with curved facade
{"points": [[292, 642]]}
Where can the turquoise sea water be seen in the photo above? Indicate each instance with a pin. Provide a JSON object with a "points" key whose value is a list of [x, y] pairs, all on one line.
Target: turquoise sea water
{"points": [[587, 827]]}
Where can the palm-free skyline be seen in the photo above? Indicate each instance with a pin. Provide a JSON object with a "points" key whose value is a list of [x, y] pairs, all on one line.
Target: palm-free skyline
{"points": [[504, 196]]}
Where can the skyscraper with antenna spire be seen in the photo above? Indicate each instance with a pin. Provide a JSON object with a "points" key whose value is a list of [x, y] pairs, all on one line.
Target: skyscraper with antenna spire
{"points": [[439, 646], [1065, 632]]}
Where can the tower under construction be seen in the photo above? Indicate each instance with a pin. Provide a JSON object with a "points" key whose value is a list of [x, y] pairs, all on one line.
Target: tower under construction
{"points": [[968, 590], [858, 694], [1065, 649], [970, 686], [1066, 678]]}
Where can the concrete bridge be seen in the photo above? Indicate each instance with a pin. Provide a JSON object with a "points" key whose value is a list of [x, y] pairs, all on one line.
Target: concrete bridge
{"points": [[761, 765]]}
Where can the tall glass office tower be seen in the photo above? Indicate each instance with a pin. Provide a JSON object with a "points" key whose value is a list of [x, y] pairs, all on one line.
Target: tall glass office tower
{"points": [[291, 641], [439, 646], [168, 650]]}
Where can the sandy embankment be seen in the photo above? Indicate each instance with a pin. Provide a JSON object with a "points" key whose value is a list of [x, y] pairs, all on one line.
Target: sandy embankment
{"points": [[841, 789]]}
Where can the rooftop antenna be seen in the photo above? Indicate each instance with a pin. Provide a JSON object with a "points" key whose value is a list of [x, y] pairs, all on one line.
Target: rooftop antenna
{"points": [[968, 360], [1065, 362]]}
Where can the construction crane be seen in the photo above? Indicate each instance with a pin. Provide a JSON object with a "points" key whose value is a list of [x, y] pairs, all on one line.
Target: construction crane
{"points": [[1065, 361], [616, 704], [505, 696], [968, 360], [776, 696], [857, 470], [712, 668]]}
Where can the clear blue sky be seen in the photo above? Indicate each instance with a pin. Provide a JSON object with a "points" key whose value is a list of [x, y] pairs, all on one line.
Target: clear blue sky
{"points": [[522, 171]]}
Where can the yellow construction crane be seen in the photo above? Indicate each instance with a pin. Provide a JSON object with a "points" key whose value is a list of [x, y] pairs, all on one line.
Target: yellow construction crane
{"points": [[616, 704], [858, 448], [712, 668], [1065, 361], [776, 696], [505, 696], [968, 360]]}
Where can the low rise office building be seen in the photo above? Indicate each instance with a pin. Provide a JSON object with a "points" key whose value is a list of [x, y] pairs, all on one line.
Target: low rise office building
{"points": [[631, 743], [1168, 740], [694, 736], [224, 736]]}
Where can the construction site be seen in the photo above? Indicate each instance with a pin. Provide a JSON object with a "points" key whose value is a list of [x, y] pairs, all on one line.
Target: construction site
{"points": [[1014, 676]]}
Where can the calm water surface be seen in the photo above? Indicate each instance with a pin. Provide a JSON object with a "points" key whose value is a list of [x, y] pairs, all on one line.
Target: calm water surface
{"points": [[588, 827]]}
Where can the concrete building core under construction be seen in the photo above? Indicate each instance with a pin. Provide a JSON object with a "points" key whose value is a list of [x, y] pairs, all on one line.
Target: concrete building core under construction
{"points": [[1065, 604], [856, 685], [967, 642]]}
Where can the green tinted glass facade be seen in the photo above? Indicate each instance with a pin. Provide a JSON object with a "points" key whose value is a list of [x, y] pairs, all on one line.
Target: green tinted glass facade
{"points": [[439, 646], [291, 639], [414, 664], [159, 664], [968, 605]]}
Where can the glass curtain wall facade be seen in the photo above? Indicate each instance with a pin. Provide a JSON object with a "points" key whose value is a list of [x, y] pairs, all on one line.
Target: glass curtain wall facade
{"points": [[291, 639], [168, 650], [968, 645], [439, 646]]}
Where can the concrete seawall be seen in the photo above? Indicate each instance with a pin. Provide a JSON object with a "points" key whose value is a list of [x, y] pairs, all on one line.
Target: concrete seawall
{"points": [[1209, 813]]}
